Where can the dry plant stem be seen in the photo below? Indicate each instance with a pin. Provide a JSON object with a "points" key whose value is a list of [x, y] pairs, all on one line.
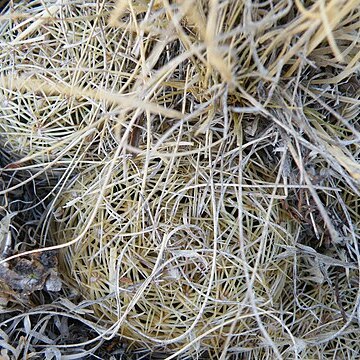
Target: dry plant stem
{"points": [[208, 332], [335, 17], [125, 101], [205, 155], [146, 283], [333, 233], [345, 123], [63, 182], [45, 167], [89, 223], [44, 16]]}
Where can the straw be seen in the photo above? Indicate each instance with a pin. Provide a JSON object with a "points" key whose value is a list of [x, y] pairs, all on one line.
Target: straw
{"points": [[202, 166]]}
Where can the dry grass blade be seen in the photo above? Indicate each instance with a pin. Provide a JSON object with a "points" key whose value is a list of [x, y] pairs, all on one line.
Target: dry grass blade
{"points": [[201, 160]]}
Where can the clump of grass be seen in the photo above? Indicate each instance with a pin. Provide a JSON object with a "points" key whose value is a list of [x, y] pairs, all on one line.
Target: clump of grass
{"points": [[211, 156], [51, 54], [161, 250]]}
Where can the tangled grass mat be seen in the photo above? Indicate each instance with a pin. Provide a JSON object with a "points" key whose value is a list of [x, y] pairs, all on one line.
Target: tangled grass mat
{"points": [[179, 179]]}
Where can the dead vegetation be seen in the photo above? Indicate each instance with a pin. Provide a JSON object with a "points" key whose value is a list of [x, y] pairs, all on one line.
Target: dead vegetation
{"points": [[198, 164]]}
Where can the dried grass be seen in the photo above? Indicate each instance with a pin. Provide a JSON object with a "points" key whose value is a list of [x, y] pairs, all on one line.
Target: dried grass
{"points": [[204, 158]]}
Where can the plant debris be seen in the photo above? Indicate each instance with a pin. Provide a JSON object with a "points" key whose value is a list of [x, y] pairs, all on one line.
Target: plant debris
{"points": [[193, 166], [29, 275]]}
